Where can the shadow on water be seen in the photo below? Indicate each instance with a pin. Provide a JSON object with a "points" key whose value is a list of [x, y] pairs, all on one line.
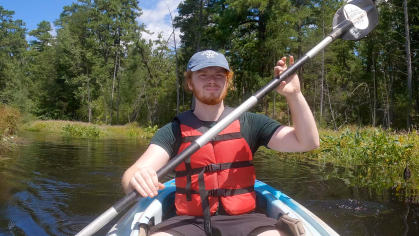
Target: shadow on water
{"points": [[56, 185]]}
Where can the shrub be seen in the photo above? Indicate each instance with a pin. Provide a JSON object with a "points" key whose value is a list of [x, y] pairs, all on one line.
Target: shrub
{"points": [[9, 120], [82, 130]]}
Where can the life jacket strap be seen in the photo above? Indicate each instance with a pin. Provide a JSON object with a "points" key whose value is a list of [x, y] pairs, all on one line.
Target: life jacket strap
{"points": [[206, 210], [222, 137], [215, 167], [220, 192], [188, 179]]}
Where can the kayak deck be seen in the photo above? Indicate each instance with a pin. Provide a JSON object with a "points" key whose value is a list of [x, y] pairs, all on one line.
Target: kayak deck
{"points": [[270, 201]]}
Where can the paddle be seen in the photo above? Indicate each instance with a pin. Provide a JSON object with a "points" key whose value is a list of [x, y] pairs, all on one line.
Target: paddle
{"points": [[351, 22]]}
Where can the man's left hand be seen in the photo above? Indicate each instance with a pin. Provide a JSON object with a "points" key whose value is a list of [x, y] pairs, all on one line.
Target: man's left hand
{"points": [[291, 85]]}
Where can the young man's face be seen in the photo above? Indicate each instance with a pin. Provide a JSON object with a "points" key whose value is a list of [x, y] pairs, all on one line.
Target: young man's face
{"points": [[209, 85]]}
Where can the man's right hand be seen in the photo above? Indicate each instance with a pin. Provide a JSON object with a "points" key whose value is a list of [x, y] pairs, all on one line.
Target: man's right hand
{"points": [[142, 176], [146, 182]]}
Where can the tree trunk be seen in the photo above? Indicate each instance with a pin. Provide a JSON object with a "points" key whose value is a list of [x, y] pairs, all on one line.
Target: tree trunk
{"points": [[89, 99], [113, 86], [273, 115], [118, 85], [177, 71], [322, 82], [300, 55], [374, 116], [177, 67], [331, 110], [391, 95], [409, 64], [198, 42], [266, 107]]}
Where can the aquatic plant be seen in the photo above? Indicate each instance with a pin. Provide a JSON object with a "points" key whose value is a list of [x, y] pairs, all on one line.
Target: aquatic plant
{"points": [[82, 129], [369, 147]]}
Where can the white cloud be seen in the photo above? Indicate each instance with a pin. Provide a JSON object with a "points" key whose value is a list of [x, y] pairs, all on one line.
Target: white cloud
{"points": [[157, 19]]}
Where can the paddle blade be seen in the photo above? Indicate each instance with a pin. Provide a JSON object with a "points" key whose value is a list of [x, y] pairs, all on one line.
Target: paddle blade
{"points": [[362, 13]]}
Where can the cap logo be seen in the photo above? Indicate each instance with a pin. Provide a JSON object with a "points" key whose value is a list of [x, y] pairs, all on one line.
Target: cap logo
{"points": [[210, 54]]}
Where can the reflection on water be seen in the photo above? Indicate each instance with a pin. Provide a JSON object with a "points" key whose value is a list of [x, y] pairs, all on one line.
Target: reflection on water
{"points": [[56, 185]]}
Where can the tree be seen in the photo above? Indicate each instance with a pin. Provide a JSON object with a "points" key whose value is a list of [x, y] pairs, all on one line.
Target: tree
{"points": [[13, 80]]}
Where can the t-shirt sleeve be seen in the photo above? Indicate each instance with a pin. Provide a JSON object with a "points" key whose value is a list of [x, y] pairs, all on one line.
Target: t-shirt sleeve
{"points": [[261, 129], [166, 138]]}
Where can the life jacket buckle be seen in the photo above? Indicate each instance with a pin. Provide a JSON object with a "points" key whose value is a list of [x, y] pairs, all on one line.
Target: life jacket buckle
{"points": [[217, 192], [212, 168]]}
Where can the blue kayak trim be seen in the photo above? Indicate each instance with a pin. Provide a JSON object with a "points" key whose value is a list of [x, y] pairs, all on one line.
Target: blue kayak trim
{"points": [[259, 185]]}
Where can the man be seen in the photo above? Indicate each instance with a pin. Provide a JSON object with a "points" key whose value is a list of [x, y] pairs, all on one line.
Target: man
{"points": [[218, 179]]}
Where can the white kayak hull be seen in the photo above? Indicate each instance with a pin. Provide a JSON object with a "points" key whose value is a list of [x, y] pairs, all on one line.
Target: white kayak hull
{"points": [[151, 211]]}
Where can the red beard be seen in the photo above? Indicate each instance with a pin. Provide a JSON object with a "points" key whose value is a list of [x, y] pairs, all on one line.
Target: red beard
{"points": [[211, 99]]}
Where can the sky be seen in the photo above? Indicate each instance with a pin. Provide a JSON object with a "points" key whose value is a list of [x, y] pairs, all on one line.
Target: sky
{"points": [[155, 15]]}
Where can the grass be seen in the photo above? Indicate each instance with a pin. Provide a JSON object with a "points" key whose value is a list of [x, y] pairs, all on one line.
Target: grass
{"points": [[352, 146], [10, 120], [82, 129], [370, 157]]}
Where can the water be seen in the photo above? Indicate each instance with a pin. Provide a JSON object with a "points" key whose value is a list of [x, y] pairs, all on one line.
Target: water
{"points": [[56, 185]]}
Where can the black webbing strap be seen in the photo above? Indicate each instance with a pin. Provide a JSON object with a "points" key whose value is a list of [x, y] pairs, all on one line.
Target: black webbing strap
{"points": [[205, 203], [220, 192], [217, 138], [215, 167], [188, 179]]}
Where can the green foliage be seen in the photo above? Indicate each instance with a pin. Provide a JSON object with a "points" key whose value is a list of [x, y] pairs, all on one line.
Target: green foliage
{"points": [[81, 130], [368, 147], [151, 129], [99, 69], [9, 124], [9, 120], [368, 158]]}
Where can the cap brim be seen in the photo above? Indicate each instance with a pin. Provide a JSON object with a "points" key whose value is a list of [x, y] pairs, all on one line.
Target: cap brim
{"points": [[209, 65]]}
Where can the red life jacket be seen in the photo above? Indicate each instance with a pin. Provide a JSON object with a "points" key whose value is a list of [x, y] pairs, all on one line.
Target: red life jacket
{"points": [[221, 171]]}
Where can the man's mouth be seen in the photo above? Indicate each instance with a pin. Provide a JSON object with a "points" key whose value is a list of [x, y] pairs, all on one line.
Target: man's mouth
{"points": [[212, 88]]}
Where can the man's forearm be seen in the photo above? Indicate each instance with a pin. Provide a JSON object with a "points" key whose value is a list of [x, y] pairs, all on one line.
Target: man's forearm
{"points": [[303, 121]]}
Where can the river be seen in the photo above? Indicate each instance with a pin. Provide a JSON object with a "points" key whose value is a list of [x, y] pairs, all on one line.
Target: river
{"points": [[56, 185]]}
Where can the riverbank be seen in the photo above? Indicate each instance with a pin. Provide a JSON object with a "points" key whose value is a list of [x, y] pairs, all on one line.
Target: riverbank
{"points": [[10, 120], [348, 147], [352, 146], [372, 156], [82, 129]]}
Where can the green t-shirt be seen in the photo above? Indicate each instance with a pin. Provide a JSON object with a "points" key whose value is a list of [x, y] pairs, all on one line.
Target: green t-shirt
{"points": [[257, 130]]}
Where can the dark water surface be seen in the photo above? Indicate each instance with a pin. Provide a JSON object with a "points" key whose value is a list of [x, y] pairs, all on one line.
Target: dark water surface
{"points": [[56, 185]]}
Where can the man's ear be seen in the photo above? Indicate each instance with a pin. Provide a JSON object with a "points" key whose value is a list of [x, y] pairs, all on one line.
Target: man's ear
{"points": [[190, 84]]}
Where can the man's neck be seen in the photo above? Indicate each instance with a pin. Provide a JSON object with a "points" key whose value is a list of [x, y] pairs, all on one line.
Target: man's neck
{"points": [[208, 112]]}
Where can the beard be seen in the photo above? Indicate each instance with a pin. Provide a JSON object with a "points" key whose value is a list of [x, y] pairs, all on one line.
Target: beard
{"points": [[212, 98]]}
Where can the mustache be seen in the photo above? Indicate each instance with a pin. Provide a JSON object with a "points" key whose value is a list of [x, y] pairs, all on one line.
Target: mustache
{"points": [[212, 86]]}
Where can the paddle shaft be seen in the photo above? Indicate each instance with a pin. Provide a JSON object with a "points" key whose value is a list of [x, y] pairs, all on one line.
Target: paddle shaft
{"points": [[108, 215]]}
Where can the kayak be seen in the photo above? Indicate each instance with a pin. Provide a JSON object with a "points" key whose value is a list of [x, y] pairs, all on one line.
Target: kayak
{"points": [[151, 211]]}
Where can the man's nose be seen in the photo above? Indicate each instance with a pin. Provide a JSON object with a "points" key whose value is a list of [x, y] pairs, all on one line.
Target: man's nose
{"points": [[211, 79]]}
